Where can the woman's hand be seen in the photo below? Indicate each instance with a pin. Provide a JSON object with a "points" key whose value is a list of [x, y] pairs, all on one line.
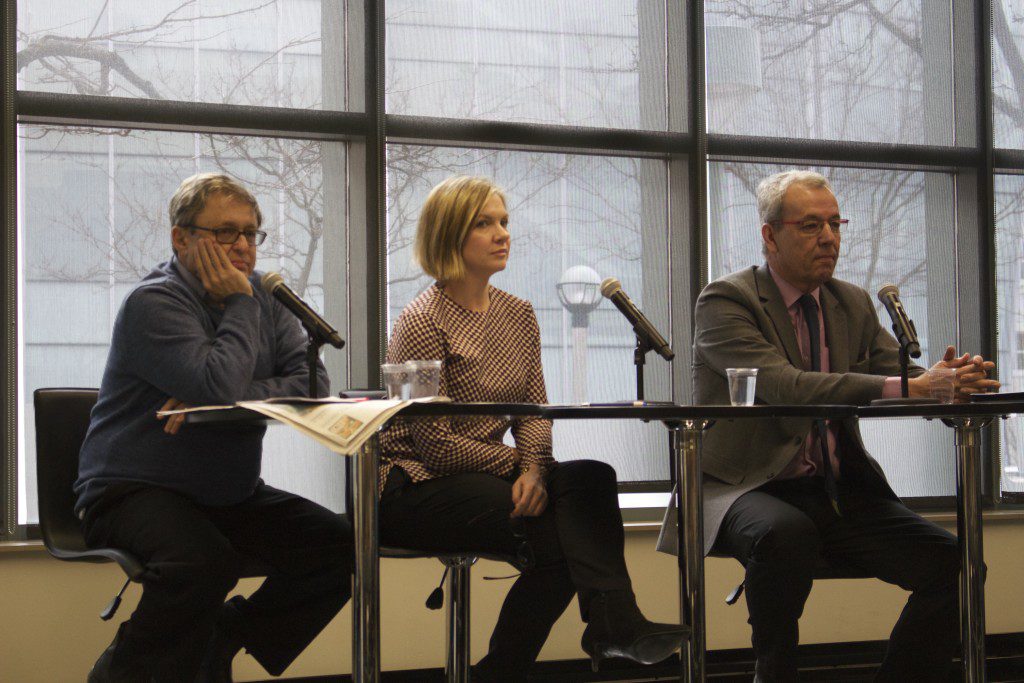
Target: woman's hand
{"points": [[174, 422], [529, 495]]}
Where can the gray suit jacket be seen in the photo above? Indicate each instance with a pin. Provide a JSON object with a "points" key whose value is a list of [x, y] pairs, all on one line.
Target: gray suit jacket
{"points": [[742, 322]]}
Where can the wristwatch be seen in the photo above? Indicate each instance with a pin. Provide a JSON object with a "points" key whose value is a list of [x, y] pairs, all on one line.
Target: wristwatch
{"points": [[528, 466]]}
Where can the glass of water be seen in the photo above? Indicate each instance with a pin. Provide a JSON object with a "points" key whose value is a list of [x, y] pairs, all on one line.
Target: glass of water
{"points": [[424, 377], [396, 380], [742, 382]]}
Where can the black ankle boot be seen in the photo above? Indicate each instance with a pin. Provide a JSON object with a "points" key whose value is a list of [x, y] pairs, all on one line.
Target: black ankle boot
{"points": [[617, 628], [115, 665], [221, 649]]}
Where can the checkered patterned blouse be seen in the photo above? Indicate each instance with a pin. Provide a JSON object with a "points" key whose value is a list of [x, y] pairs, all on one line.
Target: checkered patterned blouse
{"points": [[492, 356]]}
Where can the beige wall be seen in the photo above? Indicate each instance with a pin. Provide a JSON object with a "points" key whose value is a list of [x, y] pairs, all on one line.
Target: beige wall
{"points": [[50, 632]]}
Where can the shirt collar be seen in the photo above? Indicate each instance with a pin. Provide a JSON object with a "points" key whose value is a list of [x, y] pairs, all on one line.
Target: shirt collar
{"points": [[790, 294]]}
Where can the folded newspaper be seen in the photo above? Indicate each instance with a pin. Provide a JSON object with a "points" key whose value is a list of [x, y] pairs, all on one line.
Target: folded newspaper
{"points": [[342, 425]]}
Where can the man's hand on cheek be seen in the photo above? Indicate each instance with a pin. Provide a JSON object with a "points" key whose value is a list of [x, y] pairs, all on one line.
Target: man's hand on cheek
{"points": [[219, 276], [187, 256]]}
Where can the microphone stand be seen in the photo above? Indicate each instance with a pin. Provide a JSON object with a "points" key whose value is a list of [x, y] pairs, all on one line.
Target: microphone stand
{"points": [[904, 371], [905, 398], [639, 359], [312, 353]]}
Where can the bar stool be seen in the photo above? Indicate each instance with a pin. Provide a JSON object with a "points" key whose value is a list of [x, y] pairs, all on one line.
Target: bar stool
{"points": [[457, 571]]}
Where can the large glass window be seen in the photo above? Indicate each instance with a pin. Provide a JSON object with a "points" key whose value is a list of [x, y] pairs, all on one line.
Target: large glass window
{"points": [[581, 62], [1008, 73], [575, 220], [1010, 320], [94, 222], [257, 52], [882, 91], [873, 71]]}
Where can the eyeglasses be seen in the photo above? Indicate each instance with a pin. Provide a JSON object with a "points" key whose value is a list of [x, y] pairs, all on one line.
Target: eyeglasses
{"points": [[230, 235], [813, 228]]}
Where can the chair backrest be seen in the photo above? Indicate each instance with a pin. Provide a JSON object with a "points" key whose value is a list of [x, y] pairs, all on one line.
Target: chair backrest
{"points": [[62, 419]]}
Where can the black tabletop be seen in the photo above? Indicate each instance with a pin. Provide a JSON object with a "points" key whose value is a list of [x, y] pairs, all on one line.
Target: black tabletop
{"points": [[663, 412], [646, 412], [988, 408]]}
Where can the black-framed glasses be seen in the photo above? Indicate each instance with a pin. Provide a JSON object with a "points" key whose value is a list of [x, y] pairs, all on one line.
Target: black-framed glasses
{"points": [[813, 228], [230, 235]]}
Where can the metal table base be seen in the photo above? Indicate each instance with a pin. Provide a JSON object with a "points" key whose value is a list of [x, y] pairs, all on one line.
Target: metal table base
{"points": [[969, 531], [967, 421], [686, 436], [366, 578]]}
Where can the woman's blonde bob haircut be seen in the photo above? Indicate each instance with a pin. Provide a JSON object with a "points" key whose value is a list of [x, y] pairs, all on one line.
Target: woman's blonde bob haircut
{"points": [[445, 221]]}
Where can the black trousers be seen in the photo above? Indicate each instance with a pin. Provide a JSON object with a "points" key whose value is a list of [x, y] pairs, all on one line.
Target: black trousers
{"points": [[194, 555], [575, 547], [780, 531]]}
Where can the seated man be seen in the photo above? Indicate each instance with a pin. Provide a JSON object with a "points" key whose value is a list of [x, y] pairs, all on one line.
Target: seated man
{"points": [[189, 502], [780, 494]]}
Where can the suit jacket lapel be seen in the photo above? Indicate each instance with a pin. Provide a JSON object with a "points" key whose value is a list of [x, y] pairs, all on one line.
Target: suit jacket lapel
{"points": [[836, 331], [776, 311]]}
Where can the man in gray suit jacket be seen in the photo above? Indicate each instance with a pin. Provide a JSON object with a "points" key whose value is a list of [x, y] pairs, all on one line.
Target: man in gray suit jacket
{"points": [[775, 498]]}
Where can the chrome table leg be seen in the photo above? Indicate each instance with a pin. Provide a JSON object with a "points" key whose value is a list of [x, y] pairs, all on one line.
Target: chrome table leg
{"points": [[366, 591], [969, 530], [686, 444]]}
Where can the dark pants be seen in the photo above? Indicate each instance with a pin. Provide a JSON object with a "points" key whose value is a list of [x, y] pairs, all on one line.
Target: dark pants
{"points": [[781, 530], [575, 546], [194, 555]]}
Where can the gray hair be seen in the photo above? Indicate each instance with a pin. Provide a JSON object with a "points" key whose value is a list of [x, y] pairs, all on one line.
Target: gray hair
{"points": [[190, 198], [772, 189]]}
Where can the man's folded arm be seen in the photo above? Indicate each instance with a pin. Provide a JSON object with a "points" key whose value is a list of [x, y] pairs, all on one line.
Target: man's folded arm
{"points": [[291, 370], [172, 351]]}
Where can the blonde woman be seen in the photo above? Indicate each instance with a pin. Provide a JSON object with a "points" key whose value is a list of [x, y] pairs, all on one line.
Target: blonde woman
{"points": [[455, 486]]}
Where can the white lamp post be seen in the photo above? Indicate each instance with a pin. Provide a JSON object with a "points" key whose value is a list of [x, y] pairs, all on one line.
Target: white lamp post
{"points": [[579, 290]]}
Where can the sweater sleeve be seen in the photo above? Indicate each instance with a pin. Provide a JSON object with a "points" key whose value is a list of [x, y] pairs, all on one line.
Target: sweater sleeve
{"points": [[173, 351], [291, 371]]}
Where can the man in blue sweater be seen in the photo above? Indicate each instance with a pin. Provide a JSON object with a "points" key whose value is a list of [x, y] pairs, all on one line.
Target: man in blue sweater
{"points": [[188, 500]]}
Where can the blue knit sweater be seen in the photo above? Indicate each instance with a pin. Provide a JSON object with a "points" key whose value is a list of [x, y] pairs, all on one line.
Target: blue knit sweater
{"points": [[167, 342]]}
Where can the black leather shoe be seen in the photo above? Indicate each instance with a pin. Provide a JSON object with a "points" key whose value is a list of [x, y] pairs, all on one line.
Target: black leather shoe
{"points": [[617, 628], [112, 667], [220, 650]]}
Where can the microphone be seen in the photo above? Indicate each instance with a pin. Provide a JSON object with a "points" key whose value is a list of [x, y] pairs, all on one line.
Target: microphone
{"points": [[611, 288], [318, 328], [902, 325]]}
